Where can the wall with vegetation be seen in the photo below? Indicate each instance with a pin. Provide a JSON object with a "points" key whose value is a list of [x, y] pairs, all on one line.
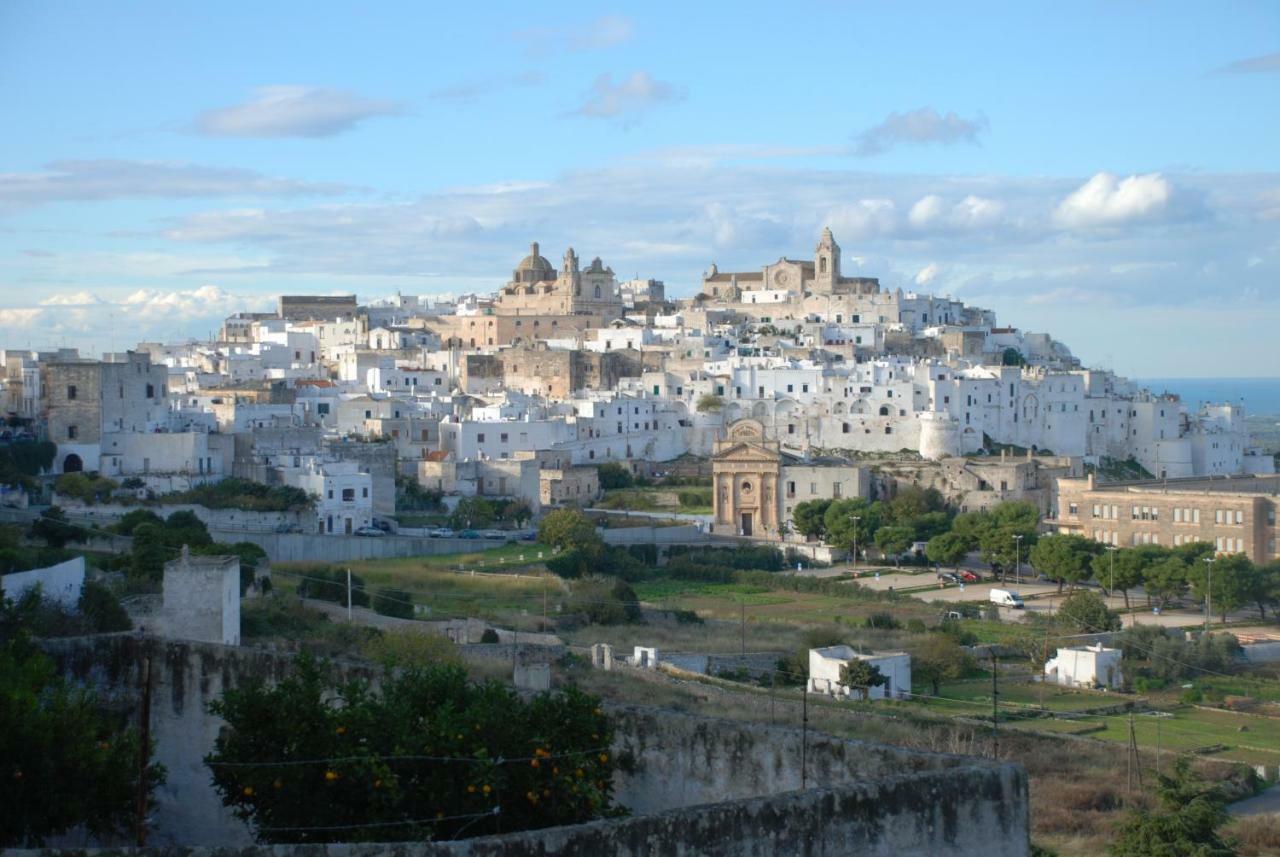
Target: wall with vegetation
{"points": [[694, 785]]}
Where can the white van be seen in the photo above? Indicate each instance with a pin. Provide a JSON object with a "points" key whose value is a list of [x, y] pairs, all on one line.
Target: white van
{"points": [[1007, 598]]}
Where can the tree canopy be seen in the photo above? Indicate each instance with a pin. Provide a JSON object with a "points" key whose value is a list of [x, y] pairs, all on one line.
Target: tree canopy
{"points": [[426, 754]]}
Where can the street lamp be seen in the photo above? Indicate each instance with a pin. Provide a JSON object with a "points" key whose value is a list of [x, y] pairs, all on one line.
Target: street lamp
{"points": [[1017, 559], [855, 519], [1208, 592]]}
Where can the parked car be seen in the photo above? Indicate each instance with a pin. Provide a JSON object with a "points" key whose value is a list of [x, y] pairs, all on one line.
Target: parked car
{"points": [[288, 528], [967, 576], [1006, 598], [948, 577], [369, 532], [528, 536], [383, 525], [469, 534], [441, 533], [496, 534]]}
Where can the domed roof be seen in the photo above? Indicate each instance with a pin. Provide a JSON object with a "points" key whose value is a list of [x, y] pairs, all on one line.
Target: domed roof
{"points": [[536, 264]]}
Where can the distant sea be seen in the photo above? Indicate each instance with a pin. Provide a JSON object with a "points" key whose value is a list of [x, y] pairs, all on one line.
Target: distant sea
{"points": [[1261, 396]]}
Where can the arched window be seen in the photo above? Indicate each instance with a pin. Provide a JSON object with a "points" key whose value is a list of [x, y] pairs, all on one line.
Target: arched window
{"points": [[597, 291], [884, 410], [746, 487], [822, 264]]}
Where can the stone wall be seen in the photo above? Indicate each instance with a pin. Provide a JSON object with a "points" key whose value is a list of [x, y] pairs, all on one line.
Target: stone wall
{"points": [[693, 785], [308, 547]]}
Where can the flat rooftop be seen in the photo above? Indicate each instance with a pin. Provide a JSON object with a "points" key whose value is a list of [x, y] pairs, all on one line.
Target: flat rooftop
{"points": [[1268, 483]]}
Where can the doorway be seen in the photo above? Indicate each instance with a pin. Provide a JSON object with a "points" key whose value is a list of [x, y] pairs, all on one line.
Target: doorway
{"points": [[746, 523]]}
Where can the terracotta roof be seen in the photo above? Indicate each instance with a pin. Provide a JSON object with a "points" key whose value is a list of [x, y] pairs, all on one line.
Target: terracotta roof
{"points": [[313, 382], [437, 455]]}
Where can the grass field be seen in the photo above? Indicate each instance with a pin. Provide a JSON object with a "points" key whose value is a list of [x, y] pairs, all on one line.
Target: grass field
{"points": [[483, 588], [725, 601]]}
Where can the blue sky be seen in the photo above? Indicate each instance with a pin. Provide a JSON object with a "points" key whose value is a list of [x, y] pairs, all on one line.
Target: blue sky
{"points": [[1109, 172]]}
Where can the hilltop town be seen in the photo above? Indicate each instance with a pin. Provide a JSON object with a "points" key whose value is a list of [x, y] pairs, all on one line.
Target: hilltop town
{"points": [[521, 394], [795, 497]]}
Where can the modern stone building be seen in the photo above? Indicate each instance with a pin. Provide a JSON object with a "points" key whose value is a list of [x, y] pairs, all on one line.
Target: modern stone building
{"points": [[1235, 514]]}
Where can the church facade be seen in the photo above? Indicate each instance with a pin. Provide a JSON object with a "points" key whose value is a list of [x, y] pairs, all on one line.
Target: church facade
{"points": [[746, 472], [789, 279]]}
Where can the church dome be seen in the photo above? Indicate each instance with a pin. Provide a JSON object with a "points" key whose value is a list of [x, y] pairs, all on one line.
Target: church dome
{"points": [[534, 268]]}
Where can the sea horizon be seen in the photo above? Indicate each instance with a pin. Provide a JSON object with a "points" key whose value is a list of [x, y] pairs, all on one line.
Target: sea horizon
{"points": [[1261, 396]]}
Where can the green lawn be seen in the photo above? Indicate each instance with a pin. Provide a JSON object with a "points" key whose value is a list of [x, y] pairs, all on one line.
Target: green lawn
{"points": [[482, 588], [724, 601]]}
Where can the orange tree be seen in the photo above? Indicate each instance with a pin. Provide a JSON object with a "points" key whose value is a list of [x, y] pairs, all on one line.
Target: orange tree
{"points": [[426, 754], [64, 762]]}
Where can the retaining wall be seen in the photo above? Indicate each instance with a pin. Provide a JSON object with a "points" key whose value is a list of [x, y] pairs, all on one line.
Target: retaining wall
{"points": [[695, 785]]}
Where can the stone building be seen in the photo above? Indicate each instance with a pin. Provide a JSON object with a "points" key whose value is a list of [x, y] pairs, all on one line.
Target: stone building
{"points": [[539, 370], [746, 475], [1235, 514], [789, 278], [579, 486], [85, 399], [537, 289], [311, 307]]}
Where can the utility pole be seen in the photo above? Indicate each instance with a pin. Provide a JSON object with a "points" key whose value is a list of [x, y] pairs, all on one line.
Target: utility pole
{"points": [[1017, 559], [144, 752], [348, 596], [804, 737], [743, 606], [856, 519], [1208, 592], [1157, 747], [995, 709]]}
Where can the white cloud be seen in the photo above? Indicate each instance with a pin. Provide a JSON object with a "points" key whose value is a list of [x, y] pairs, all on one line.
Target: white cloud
{"points": [[932, 212], [927, 274], [70, 299], [864, 219], [606, 31], [469, 90], [1106, 200], [630, 96], [105, 179], [924, 125], [1265, 64], [293, 111]]}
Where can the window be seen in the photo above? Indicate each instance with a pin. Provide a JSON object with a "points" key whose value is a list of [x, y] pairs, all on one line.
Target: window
{"points": [[813, 488], [322, 408], [791, 489], [330, 493], [71, 391], [364, 492], [151, 391], [348, 495], [480, 437], [503, 437], [791, 429], [73, 432], [835, 490]]}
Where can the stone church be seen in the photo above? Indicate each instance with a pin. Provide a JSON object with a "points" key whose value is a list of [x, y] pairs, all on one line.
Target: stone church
{"points": [[537, 289], [789, 279]]}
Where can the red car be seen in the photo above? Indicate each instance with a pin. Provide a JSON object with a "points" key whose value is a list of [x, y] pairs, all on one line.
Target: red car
{"points": [[968, 576]]}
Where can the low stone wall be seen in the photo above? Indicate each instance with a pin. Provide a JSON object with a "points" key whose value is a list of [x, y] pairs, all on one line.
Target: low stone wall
{"points": [[238, 520], [755, 663], [313, 547], [693, 785], [652, 535]]}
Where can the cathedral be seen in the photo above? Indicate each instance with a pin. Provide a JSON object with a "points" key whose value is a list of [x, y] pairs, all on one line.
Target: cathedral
{"points": [[536, 288], [787, 279]]}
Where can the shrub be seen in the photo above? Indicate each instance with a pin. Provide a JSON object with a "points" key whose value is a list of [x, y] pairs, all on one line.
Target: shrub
{"points": [[883, 622], [410, 648], [330, 584], [393, 602], [613, 475], [604, 601], [102, 610], [489, 636], [236, 493]]}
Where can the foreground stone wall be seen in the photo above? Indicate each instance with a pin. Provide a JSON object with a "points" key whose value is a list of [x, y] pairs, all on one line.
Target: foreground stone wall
{"points": [[693, 785]]}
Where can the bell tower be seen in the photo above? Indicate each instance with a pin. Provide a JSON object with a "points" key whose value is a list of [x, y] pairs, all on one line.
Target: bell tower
{"points": [[826, 263]]}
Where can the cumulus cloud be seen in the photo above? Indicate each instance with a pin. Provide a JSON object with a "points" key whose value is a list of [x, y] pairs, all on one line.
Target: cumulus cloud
{"points": [[293, 111], [925, 125], [105, 179], [628, 97], [606, 31], [927, 274], [470, 90], [1265, 64], [932, 212], [864, 219], [1106, 200]]}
